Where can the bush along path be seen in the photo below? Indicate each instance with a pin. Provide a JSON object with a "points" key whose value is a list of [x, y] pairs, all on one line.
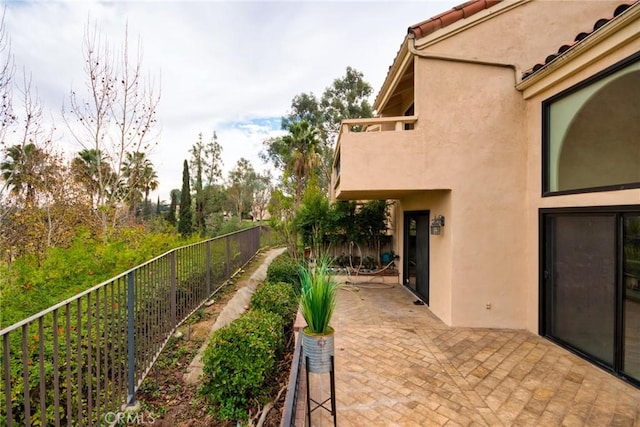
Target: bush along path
{"points": [[233, 310], [173, 393]]}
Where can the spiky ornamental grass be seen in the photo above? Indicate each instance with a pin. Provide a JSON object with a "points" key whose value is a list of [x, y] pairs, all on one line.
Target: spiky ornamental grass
{"points": [[318, 291]]}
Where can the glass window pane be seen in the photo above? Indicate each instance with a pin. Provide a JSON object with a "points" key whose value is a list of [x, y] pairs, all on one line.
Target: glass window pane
{"points": [[594, 134], [581, 282], [631, 280]]}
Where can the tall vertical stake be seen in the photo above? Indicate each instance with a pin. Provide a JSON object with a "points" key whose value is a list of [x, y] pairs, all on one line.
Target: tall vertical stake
{"points": [[332, 377], [306, 370], [131, 358]]}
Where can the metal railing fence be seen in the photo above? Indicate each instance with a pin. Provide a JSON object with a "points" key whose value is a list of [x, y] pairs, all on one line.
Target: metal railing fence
{"points": [[87, 356], [290, 414]]}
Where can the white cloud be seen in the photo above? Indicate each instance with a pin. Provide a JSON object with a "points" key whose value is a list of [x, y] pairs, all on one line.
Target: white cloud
{"points": [[223, 65]]}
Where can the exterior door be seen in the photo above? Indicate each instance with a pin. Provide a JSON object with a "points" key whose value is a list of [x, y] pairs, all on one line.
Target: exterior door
{"points": [[631, 292], [416, 253], [591, 286]]}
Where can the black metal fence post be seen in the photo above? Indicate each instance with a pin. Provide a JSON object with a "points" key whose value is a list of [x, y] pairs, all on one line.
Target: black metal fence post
{"points": [[131, 348], [208, 266], [227, 262], [173, 290]]}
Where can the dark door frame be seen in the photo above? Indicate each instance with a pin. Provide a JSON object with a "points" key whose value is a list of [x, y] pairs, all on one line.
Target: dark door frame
{"points": [[405, 274], [543, 258]]}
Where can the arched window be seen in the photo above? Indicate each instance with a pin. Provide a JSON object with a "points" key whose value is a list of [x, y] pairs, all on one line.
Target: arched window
{"points": [[592, 133]]}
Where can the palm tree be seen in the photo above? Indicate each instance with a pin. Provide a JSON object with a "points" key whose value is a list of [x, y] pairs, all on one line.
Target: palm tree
{"points": [[140, 177], [91, 169], [301, 147], [305, 143], [149, 181], [22, 170]]}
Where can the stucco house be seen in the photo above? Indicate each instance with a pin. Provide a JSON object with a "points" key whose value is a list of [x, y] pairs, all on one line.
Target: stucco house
{"points": [[508, 138]]}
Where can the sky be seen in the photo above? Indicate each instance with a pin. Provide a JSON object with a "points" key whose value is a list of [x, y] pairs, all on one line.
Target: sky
{"points": [[231, 67]]}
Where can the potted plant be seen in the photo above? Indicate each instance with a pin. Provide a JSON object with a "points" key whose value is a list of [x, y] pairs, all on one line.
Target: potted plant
{"points": [[318, 292]]}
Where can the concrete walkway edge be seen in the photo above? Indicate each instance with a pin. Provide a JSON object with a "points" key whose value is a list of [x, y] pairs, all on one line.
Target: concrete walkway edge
{"points": [[234, 309]]}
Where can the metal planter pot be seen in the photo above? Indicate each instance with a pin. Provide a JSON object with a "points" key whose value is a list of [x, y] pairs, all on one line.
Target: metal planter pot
{"points": [[319, 349]]}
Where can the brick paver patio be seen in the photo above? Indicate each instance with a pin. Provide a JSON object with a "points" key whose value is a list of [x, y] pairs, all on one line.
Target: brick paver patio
{"points": [[398, 365]]}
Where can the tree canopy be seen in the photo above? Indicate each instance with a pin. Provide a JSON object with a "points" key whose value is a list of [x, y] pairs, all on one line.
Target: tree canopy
{"points": [[305, 153]]}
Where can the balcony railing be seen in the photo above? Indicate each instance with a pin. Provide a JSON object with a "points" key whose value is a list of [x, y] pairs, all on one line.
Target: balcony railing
{"points": [[378, 124], [375, 124], [82, 359], [383, 130]]}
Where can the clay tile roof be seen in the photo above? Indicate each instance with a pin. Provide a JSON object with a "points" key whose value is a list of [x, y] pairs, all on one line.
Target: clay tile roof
{"points": [[581, 36], [464, 10]]}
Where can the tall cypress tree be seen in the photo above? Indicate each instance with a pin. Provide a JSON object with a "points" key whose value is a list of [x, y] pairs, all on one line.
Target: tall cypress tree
{"points": [[171, 215], [185, 222]]}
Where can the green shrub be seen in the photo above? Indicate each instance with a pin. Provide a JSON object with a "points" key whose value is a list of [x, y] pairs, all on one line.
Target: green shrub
{"points": [[278, 298], [239, 362], [284, 269], [28, 285]]}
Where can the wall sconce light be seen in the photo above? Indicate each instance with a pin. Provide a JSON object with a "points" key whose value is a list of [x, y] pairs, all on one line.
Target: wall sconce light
{"points": [[436, 225]]}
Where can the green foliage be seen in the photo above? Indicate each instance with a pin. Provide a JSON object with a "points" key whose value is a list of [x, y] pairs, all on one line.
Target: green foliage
{"points": [[313, 218], [171, 215], [231, 225], [298, 155], [317, 296], [106, 338], [239, 363], [343, 222], [39, 348], [279, 298], [320, 224], [284, 269], [29, 287], [281, 221], [346, 98], [242, 183], [185, 221], [372, 219]]}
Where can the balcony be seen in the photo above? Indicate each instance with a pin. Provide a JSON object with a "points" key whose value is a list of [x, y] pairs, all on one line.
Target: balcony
{"points": [[383, 158]]}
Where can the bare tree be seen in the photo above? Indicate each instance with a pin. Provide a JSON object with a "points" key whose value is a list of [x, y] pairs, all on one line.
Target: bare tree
{"points": [[7, 118], [261, 195], [206, 163], [242, 181], [6, 74], [39, 210], [115, 116]]}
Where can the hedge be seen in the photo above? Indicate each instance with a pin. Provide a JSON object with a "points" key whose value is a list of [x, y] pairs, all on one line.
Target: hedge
{"points": [[284, 269], [278, 298]]}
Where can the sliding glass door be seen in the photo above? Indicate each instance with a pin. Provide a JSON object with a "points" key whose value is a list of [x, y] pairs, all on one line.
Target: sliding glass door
{"points": [[631, 290], [590, 286]]}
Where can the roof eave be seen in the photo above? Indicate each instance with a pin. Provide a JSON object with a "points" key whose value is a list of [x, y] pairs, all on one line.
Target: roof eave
{"points": [[403, 57], [394, 74], [594, 39]]}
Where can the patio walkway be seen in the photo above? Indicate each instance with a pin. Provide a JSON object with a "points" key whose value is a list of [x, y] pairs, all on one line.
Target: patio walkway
{"points": [[398, 365]]}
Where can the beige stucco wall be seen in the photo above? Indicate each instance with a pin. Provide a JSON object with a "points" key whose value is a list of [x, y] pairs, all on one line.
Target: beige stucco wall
{"points": [[474, 124], [556, 82], [474, 157], [440, 262], [473, 115], [520, 32]]}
